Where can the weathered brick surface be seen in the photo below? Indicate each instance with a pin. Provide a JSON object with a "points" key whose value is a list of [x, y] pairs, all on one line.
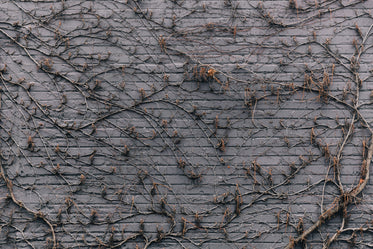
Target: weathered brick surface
{"points": [[109, 121]]}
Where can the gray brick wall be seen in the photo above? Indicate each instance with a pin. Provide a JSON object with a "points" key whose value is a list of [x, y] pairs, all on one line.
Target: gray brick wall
{"points": [[185, 124]]}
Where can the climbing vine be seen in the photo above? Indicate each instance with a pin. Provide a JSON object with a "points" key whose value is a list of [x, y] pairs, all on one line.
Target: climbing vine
{"points": [[186, 124]]}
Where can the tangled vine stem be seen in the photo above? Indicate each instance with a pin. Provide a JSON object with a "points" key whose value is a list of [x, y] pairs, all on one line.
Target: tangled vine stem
{"points": [[340, 202], [185, 124], [36, 214]]}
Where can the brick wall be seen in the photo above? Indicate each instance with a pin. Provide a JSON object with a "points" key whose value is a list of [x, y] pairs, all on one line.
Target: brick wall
{"points": [[185, 124]]}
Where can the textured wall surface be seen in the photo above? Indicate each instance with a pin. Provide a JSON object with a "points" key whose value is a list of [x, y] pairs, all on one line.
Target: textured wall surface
{"points": [[186, 124]]}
